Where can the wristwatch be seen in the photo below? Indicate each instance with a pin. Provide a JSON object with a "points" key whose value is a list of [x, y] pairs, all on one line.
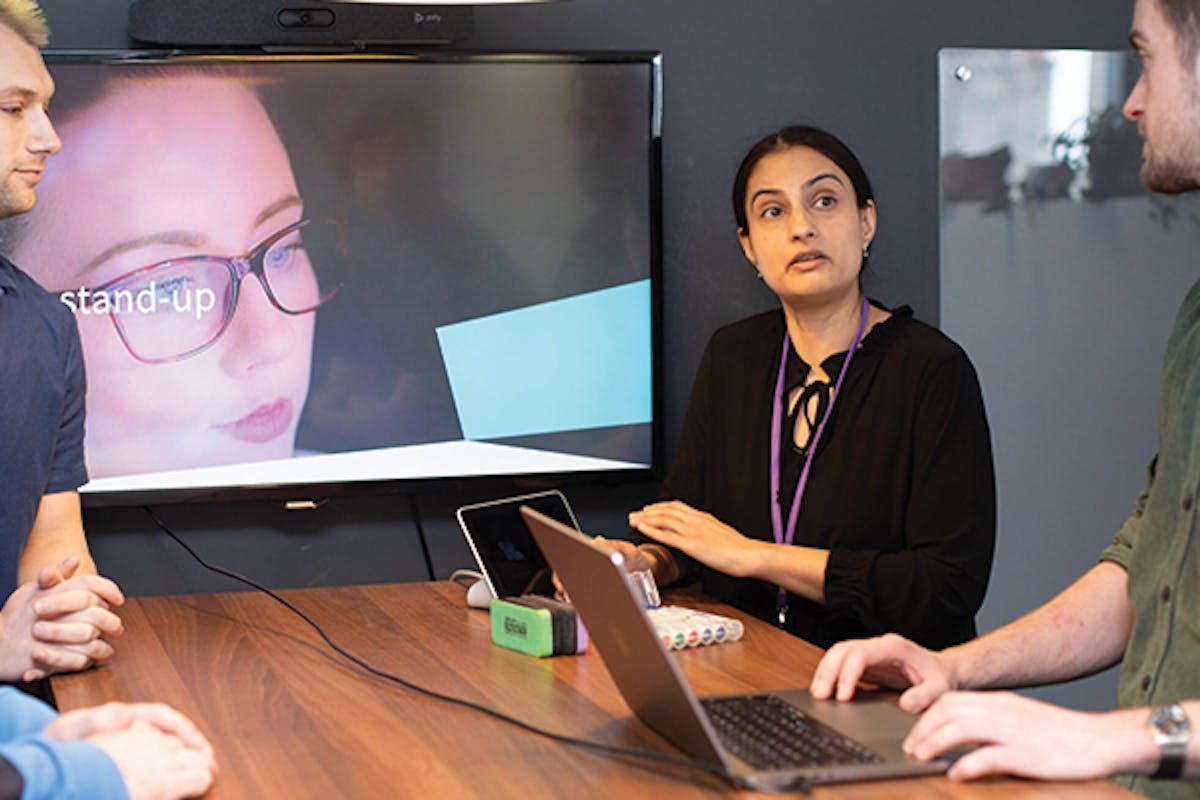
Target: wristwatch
{"points": [[1172, 731]]}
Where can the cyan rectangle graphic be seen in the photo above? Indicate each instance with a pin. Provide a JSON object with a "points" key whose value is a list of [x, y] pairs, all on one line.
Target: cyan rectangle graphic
{"points": [[569, 364]]}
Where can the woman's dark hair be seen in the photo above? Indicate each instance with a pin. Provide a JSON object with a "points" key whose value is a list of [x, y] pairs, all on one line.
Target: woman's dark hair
{"points": [[823, 142]]}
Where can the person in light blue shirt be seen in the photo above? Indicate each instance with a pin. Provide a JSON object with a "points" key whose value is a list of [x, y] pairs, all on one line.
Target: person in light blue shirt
{"points": [[109, 752]]}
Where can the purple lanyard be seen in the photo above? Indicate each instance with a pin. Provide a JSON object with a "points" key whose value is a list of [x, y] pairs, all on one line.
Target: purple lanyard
{"points": [[782, 535]]}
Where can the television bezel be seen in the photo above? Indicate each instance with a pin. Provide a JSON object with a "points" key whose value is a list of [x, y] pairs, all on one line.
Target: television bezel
{"points": [[311, 494]]}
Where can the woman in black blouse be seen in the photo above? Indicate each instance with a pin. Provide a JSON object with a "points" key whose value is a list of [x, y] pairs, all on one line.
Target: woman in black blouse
{"points": [[835, 472]]}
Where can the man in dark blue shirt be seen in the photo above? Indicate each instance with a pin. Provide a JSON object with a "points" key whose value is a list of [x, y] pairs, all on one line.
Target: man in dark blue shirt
{"points": [[57, 612]]}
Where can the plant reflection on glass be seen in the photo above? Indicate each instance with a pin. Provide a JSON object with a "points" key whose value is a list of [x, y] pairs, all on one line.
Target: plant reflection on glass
{"points": [[1106, 149]]}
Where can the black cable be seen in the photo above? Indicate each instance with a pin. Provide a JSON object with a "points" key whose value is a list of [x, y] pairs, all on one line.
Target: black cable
{"points": [[584, 744], [416, 515]]}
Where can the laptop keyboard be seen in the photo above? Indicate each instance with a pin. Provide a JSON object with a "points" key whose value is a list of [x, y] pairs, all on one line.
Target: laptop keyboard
{"points": [[769, 733]]}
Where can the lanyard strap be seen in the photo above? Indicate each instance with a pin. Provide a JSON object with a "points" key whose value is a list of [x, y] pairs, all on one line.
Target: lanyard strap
{"points": [[781, 534]]}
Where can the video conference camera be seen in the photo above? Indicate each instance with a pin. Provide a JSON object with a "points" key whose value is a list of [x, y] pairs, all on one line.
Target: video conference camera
{"points": [[295, 22]]}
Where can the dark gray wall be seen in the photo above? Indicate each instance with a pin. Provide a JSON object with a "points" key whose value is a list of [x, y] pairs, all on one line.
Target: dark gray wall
{"points": [[733, 69]]}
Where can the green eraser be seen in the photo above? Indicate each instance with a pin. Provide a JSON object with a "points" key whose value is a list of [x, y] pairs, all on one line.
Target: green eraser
{"points": [[527, 630]]}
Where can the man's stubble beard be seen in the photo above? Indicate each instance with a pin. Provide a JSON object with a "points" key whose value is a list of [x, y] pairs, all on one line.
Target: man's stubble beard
{"points": [[1174, 167], [1169, 175], [14, 203]]}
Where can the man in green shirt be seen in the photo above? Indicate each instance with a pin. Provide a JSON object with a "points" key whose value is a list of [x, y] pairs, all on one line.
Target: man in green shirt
{"points": [[1141, 603]]}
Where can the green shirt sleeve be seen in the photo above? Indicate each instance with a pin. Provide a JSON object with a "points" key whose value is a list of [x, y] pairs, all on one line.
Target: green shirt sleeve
{"points": [[1123, 541]]}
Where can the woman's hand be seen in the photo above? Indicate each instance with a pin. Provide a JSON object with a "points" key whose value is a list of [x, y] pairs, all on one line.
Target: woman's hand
{"points": [[636, 558], [650, 557], [701, 535]]}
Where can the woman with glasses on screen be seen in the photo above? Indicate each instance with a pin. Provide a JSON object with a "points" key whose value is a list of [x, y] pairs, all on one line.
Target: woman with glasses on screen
{"points": [[172, 226], [834, 475]]}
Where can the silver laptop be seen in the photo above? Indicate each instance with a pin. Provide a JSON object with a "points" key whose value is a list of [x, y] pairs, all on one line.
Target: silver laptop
{"points": [[854, 741]]}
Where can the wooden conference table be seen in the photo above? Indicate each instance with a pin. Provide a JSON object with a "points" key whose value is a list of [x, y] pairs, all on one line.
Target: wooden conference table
{"points": [[291, 719]]}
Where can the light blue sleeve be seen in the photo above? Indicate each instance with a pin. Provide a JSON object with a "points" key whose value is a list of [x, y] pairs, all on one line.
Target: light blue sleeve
{"points": [[22, 715], [50, 769], [64, 770]]}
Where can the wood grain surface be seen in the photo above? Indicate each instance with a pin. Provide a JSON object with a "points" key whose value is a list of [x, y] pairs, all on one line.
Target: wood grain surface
{"points": [[290, 718]]}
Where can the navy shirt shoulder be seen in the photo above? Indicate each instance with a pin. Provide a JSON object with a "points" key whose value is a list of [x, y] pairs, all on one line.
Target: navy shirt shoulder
{"points": [[41, 409]]}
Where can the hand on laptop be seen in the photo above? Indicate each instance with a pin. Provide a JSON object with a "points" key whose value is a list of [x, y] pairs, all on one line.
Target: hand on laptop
{"points": [[890, 661], [699, 534], [1020, 736]]}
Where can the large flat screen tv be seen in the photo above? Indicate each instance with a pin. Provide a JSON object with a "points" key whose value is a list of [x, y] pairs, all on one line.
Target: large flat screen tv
{"points": [[319, 271]]}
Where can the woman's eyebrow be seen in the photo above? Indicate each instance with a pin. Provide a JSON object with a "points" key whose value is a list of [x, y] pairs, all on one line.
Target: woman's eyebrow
{"points": [[823, 176], [283, 203], [807, 185], [761, 192], [184, 238], [192, 239]]}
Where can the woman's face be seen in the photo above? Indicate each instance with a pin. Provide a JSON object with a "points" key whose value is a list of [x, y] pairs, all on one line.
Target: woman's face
{"points": [[806, 233], [161, 171]]}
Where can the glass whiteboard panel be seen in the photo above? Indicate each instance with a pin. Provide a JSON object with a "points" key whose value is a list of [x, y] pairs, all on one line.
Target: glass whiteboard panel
{"points": [[1060, 275]]}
